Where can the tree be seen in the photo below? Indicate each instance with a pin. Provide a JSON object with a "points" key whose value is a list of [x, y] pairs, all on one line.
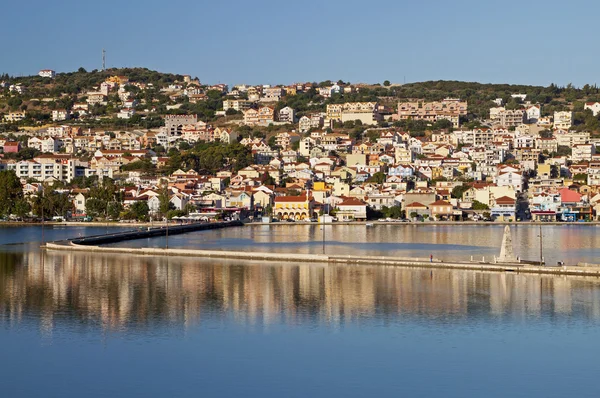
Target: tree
{"points": [[22, 208], [102, 198], [477, 205], [140, 210], [378, 178], [387, 83], [164, 202], [10, 192], [458, 191]]}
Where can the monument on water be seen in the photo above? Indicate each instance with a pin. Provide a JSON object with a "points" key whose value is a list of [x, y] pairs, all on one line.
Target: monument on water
{"points": [[506, 250]]}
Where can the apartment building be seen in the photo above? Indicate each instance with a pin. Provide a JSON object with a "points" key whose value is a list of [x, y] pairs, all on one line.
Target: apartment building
{"points": [[500, 116], [582, 152], [563, 120], [259, 117], [12, 117], [287, 115], [48, 166], [449, 109], [236, 104], [174, 123], [366, 112]]}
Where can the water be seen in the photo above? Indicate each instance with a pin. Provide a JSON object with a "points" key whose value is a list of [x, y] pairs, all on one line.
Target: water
{"points": [[97, 325], [568, 243]]}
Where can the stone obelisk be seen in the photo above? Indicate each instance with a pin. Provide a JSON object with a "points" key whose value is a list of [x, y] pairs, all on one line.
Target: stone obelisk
{"points": [[506, 250]]}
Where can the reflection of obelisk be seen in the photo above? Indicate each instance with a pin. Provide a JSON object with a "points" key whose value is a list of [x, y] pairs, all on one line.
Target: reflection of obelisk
{"points": [[506, 250]]}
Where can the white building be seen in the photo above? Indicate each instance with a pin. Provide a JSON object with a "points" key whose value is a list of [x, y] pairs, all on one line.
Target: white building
{"points": [[47, 73], [593, 106], [563, 120], [60, 115], [126, 113], [582, 152], [63, 170], [534, 113], [287, 115]]}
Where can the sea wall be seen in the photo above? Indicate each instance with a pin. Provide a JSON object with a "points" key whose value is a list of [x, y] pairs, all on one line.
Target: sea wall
{"points": [[335, 259]]}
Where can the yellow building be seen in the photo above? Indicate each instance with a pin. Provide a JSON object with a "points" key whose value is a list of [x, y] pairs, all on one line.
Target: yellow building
{"points": [[293, 207]]}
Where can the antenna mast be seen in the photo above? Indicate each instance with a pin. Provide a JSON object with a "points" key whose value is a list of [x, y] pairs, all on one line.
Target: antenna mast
{"points": [[103, 59]]}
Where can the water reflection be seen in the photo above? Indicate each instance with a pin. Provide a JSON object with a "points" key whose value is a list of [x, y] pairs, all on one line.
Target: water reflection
{"points": [[569, 243], [117, 292]]}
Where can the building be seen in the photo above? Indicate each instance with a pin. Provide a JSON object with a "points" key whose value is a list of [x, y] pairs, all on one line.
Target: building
{"points": [[259, 117], [582, 152], [504, 209], [441, 210], [534, 113], [236, 104], [293, 207], [94, 98], [174, 123], [366, 112], [44, 167], [449, 109], [351, 209], [287, 115], [593, 106], [60, 115], [563, 120], [12, 117], [11, 146], [272, 94], [126, 113], [500, 116], [49, 73]]}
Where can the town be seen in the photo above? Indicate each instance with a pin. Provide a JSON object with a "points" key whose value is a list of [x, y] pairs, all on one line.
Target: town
{"points": [[138, 145]]}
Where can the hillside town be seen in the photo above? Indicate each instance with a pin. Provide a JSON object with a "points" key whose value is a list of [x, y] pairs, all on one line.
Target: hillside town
{"points": [[128, 148]]}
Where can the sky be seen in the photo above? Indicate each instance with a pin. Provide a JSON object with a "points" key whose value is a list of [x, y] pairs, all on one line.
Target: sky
{"points": [[278, 42]]}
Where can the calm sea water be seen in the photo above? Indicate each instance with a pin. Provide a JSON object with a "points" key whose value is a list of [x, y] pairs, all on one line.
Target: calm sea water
{"points": [[568, 243], [98, 325]]}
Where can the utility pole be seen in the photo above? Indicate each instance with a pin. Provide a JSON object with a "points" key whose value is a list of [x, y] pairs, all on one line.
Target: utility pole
{"points": [[167, 232], [42, 218], [541, 248]]}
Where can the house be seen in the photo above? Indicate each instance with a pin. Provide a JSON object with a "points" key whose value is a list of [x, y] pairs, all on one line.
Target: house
{"points": [[592, 106], [12, 146], [60, 114], [504, 209], [48, 73], [351, 209], [534, 113], [441, 210], [416, 209]]}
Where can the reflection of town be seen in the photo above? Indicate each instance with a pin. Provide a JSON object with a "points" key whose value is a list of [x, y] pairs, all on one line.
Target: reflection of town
{"points": [[120, 292]]}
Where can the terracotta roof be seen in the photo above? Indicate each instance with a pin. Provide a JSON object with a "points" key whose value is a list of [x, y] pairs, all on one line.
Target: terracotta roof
{"points": [[416, 204], [352, 202], [505, 200], [440, 203], [292, 198]]}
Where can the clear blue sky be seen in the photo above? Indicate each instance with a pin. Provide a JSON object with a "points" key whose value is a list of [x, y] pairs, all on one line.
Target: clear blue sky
{"points": [[238, 41]]}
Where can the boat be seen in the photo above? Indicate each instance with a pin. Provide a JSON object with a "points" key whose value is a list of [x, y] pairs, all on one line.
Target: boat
{"points": [[369, 224]]}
